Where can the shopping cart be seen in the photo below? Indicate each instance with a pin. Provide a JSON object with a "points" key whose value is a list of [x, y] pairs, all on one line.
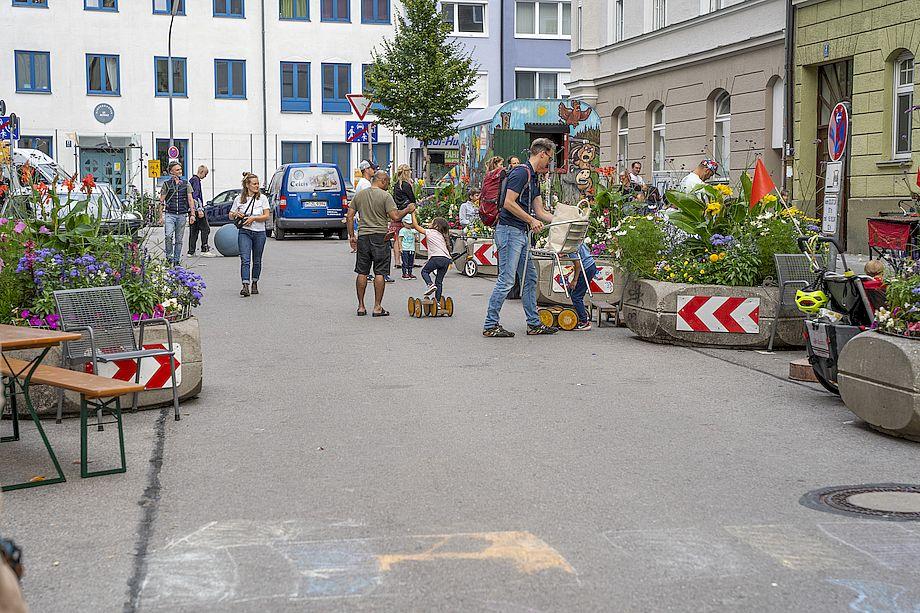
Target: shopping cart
{"points": [[565, 250]]}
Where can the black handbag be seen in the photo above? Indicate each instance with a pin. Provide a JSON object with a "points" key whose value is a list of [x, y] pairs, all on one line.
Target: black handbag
{"points": [[238, 222]]}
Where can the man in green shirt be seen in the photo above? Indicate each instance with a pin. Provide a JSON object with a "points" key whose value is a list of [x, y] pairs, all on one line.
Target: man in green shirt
{"points": [[375, 208]]}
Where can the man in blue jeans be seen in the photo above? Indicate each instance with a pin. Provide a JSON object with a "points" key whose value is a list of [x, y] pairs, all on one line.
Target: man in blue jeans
{"points": [[522, 212], [177, 208]]}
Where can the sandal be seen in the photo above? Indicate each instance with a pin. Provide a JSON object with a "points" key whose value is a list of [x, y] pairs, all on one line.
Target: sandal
{"points": [[360, 313], [383, 313], [541, 329], [497, 332]]}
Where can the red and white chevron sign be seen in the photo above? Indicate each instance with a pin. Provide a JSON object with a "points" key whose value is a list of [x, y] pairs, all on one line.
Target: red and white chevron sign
{"points": [[718, 314], [601, 284], [485, 254], [154, 370]]}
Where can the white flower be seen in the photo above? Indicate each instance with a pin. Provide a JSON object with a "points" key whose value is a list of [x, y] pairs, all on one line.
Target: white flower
{"points": [[621, 233], [883, 315]]}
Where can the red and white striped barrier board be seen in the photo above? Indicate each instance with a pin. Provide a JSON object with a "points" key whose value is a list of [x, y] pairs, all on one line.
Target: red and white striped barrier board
{"points": [[154, 371], [485, 254], [718, 314], [601, 284]]}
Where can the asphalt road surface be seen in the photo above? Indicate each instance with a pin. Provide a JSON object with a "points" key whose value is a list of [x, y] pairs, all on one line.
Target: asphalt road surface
{"points": [[335, 462]]}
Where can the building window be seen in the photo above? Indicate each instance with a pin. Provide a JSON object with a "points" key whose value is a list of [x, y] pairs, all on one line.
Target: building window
{"points": [[658, 139], [229, 78], [464, 17], [375, 11], [480, 91], [903, 101], [33, 72], [101, 5], [722, 133], [381, 155], [164, 7], [778, 94], [709, 6], [340, 155], [295, 151], [295, 87], [162, 78], [229, 8], [622, 141], [543, 18], [534, 84], [297, 10], [336, 85], [659, 14], [335, 10], [45, 144], [102, 75], [32, 3], [162, 145], [618, 20]]}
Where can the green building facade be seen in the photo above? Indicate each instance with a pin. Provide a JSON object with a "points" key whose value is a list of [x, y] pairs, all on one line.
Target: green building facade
{"points": [[861, 52]]}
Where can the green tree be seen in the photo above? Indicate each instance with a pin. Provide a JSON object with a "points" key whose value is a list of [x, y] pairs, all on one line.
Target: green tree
{"points": [[420, 80]]}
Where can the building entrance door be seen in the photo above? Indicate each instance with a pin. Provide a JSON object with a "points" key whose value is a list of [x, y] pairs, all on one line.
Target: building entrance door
{"points": [[835, 84], [106, 165]]}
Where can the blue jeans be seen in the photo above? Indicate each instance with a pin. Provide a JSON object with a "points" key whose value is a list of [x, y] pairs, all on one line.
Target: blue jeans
{"points": [[251, 244], [581, 288], [513, 251], [174, 228], [439, 265]]}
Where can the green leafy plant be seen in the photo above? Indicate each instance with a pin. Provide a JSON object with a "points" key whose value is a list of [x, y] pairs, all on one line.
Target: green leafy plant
{"points": [[639, 242]]}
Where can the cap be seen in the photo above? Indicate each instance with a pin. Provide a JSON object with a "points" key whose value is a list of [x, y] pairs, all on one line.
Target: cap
{"points": [[364, 165], [711, 165]]}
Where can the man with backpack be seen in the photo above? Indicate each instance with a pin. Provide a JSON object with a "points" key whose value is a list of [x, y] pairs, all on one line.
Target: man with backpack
{"points": [[521, 213]]}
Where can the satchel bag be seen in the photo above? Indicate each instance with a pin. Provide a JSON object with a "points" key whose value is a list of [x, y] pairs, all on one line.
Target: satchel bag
{"points": [[238, 222]]}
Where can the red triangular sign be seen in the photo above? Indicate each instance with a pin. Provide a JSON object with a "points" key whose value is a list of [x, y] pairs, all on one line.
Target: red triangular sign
{"points": [[360, 103]]}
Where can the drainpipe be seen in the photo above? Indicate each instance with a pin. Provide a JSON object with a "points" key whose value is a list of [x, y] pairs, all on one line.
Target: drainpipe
{"points": [[789, 84], [501, 50], [264, 101]]}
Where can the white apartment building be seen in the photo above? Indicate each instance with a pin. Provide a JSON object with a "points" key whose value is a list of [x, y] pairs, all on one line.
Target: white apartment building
{"points": [[256, 83]]}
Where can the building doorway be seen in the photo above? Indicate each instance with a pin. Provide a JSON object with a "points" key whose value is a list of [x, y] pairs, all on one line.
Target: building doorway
{"points": [[835, 84], [106, 165]]}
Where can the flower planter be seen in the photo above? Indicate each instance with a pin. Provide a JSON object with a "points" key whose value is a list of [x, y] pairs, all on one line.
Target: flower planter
{"points": [[186, 334], [879, 379], [650, 310]]}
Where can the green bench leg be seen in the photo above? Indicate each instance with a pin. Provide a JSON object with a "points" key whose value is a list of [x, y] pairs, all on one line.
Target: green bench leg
{"points": [[10, 395], [113, 406]]}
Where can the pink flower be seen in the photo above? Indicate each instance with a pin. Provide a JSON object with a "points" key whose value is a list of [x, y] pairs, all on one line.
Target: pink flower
{"points": [[44, 230], [4, 221], [25, 314], [19, 227], [35, 321]]}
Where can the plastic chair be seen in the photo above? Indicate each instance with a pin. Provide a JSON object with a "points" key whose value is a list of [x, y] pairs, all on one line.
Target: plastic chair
{"points": [[574, 239], [102, 316], [793, 271]]}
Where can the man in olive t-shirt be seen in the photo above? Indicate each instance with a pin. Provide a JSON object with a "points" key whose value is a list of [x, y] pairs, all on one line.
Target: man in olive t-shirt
{"points": [[375, 208]]}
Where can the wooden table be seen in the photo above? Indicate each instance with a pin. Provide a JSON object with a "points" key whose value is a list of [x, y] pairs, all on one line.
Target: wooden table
{"points": [[20, 337]]}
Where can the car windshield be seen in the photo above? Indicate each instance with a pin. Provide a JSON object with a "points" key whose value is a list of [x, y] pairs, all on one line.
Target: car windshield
{"points": [[313, 179], [92, 203]]}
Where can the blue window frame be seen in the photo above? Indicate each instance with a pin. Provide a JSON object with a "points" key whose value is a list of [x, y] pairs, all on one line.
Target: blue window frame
{"points": [[294, 10], [335, 10], [162, 154], [295, 151], [110, 6], [230, 8], [364, 88], [295, 87], [33, 72], [381, 155], [31, 3], [230, 79], [340, 155], [45, 144], [102, 75], [375, 11], [164, 7], [163, 81], [336, 84]]}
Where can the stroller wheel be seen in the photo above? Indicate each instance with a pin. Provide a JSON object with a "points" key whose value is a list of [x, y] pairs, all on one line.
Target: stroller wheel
{"points": [[547, 318], [411, 306], [567, 319], [449, 306], [417, 311]]}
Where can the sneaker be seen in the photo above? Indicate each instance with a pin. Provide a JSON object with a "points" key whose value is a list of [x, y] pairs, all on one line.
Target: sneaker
{"points": [[497, 332], [208, 254], [541, 329], [431, 289], [405, 276], [389, 279], [191, 254], [413, 277], [583, 325]]}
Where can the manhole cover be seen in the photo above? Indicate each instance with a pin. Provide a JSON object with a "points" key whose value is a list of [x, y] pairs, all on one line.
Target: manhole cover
{"points": [[889, 501]]}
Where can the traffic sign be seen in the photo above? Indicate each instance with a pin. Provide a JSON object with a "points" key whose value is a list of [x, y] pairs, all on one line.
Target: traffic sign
{"points": [[360, 103], [173, 153], [838, 130], [9, 127], [153, 169], [360, 131]]}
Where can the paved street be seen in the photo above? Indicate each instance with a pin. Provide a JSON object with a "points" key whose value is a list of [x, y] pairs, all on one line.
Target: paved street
{"points": [[342, 463]]}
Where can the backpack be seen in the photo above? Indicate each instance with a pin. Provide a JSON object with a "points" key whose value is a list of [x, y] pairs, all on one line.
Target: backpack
{"points": [[503, 191], [488, 197]]}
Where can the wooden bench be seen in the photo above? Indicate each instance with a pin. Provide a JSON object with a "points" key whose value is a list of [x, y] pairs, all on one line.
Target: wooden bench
{"points": [[604, 311], [96, 393]]}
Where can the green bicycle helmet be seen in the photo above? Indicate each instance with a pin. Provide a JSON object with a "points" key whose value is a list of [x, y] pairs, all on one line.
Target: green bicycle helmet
{"points": [[810, 300]]}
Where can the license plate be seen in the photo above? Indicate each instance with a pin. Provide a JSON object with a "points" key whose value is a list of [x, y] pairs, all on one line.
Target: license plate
{"points": [[313, 204], [817, 336]]}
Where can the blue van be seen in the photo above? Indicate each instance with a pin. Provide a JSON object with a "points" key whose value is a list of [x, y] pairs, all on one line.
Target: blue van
{"points": [[307, 197]]}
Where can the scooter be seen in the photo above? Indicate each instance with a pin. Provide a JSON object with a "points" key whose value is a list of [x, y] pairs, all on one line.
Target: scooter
{"points": [[839, 308]]}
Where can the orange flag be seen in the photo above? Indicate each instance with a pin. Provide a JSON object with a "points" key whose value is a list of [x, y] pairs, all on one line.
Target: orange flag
{"points": [[762, 185]]}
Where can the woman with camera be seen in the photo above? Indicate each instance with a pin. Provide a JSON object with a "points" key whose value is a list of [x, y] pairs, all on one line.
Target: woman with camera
{"points": [[249, 213]]}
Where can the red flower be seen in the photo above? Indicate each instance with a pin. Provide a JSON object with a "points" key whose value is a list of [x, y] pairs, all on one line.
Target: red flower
{"points": [[26, 173], [70, 183], [88, 184], [3, 189]]}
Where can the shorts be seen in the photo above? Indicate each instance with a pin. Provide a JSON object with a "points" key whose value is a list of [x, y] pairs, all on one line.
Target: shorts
{"points": [[373, 249]]}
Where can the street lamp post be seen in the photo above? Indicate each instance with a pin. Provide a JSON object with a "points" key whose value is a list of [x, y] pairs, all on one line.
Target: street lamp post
{"points": [[169, 68]]}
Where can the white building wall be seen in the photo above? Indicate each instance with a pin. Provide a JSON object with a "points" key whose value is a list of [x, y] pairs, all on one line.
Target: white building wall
{"points": [[235, 127]]}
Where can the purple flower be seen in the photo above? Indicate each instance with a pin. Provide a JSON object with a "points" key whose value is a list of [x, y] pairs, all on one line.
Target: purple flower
{"points": [[19, 227], [35, 321], [4, 221], [25, 314], [719, 240], [44, 230]]}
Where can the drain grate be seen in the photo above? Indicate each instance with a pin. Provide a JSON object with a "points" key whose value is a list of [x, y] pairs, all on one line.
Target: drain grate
{"points": [[886, 501]]}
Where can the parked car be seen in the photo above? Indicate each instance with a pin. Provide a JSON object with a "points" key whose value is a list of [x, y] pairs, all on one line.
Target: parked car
{"points": [[308, 197], [103, 204], [217, 210]]}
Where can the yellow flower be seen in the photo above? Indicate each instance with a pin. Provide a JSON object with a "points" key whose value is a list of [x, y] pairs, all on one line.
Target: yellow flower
{"points": [[714, 207], [722, 255], [702, 271], [725, 190], [790, 212], [769, 199], [686, 262], [671, 276], [714, 257], [689, 278]]}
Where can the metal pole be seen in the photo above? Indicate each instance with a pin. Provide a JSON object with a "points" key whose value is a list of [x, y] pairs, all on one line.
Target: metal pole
{"points": [[169, 69]]}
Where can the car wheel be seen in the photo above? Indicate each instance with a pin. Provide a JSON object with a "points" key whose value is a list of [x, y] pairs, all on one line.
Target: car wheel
{"points": [[279, 233], [269, 232], [343, 235]]}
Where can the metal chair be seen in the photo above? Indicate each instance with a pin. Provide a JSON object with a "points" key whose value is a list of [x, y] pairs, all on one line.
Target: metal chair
{"points": [[574, 239], [102, 315], [793, 271]]}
